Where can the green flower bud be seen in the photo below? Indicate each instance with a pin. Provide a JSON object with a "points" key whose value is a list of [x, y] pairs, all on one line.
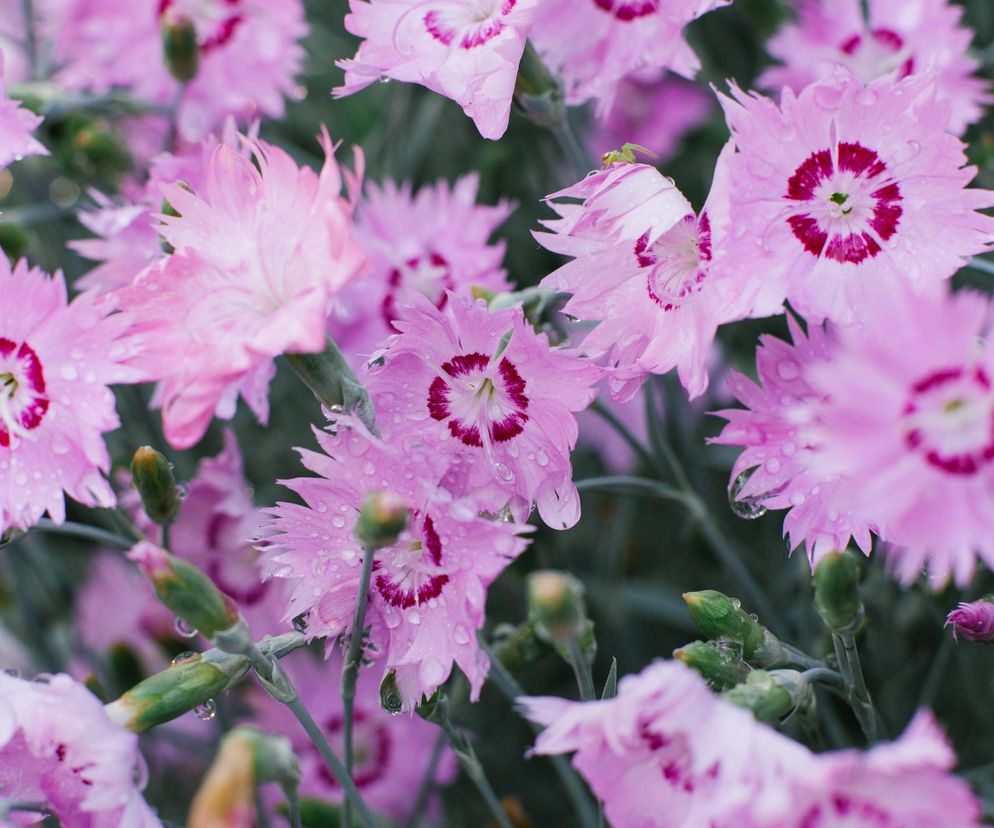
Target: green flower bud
{"points": [[836, 583], [717, 662], [721, 618], [382, 518], [187, 684], [428, 708], [770, 695], [520, 646], [556, 608], [152, 476], [180, 47], [538, 91]]}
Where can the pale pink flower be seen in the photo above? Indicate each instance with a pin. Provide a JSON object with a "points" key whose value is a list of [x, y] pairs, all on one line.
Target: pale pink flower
{"points": [[666, 752], [973, 621], [906, 422], [483, 390], [642, 271], [249, 54], [392, 752], [428, 590], [259, 256], [58, 746], [846, 186], [777, 469], [900, 38], [467, 50], [653, 109], [56, 360], [16, 126], [594, 44], [433, 241]]}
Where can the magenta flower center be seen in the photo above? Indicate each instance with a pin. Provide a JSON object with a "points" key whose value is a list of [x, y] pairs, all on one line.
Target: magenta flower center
{"points": [[467, 23], [23, 402], [949, 420], [409, 573], [371, 745], [428, 274], [214, 20], [628, 9], [676, 261], [478, 395], [871, 55], [842, 204]]}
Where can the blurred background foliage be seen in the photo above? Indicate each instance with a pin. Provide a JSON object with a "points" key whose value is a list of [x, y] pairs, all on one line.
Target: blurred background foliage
{"points": [[635, 555]]}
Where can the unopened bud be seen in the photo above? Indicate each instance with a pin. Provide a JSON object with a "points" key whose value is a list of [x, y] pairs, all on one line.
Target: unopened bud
{"points": [[152, 476], [721, 618], [770, 695], [718, 663], [974, 621], [429, 709], [836, 583], [184, 686], [186, 590], [538, 91], [382, 518], [179, 47], [520, 646], [556, 608]]}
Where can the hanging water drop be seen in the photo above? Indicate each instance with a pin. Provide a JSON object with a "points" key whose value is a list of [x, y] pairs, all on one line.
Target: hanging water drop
{"points": [[300, 622], [205, 712], [182, 490], [504, 472], [184, 656], [184, 629], [748, 508]]}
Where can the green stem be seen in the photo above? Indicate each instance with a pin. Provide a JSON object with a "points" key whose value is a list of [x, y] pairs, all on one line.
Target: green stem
{"points": [[293, 801], [576, 154], [936, 672], [30, 37], [857, 693], [350, 670], [981, 265], [82, 530], [823, 675], [581, 669], [611, 418], [332, 380], [636, 485], [427, 783], [800, 658], [165, 537]]}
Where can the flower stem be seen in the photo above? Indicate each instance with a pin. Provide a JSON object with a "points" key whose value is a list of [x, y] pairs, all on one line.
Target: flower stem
{"points": [[611, 418], [30, 38], [427, 783], [635, 485], [350, 670], [857, 693], [82, 530], [581, 669], [825, 676], [293, 801]]}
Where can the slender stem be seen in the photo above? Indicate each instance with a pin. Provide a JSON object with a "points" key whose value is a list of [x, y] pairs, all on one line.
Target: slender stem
{"points": [[581, 669], [293, 800], [857, 693], [575, 152], [350, 669], [936, 672], [261, 815], [166, 538], [624, 432], [983, 265], [636, 485], [82, 530], [9, 806], [800, 658], [658, 438], [822, 674], [333, 762], [30, 37], [427, 783]]}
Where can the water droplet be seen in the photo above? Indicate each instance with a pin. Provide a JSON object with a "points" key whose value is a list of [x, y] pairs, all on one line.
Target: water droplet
{"points": [[414, 617], [748, 508], [69, 372], [504, 472], [391, 617], [184, 629], [338, 521], [772, 465], [788, 449], [205, 712], [788, 369], [431, 672], [542, 458], [368, 468], [461, 635], [300, 622], [827, 97], [182, 490], [184, 656]]}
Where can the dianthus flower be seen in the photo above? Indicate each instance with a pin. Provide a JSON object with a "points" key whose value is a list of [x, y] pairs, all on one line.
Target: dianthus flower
{"points": [[58, 747], [844, 186], [56, 360], [16, 126], [428, 590], [900, 38], [482, 389], [249, 54], [666, 752], [776, 470], [594, 44], [433, 241], [973, 621], [392, 753], [642, 270], [467, 51], [259, 255], [652, 109]]}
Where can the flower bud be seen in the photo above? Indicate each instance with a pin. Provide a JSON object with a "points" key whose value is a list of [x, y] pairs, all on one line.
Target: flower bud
{"points": [[555, 607], [721, 618], [152, 476], [717, 662], [538, 91], [520, 646], [226, 797], [836, 583], [382, 518], [186, 590], [974, 621], [171, 693], [180, 47], [770, 695]]}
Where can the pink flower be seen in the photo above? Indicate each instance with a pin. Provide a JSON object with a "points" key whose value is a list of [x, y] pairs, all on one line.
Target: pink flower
{"points": [[666, 752], [973, 621], [481, 389], [58, 746], [900, 38], [777, 470], [56, 360], [653, 109], [594, 44], [431, 242], [249, 54], [845, 186], [906, 423], [392, 753], [468, 52], [428, 590], [16, 126], [260, 254], [642, 271]]}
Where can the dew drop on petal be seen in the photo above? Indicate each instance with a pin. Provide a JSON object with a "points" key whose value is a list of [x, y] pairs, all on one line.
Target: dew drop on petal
{"points": [[461, 635], [748, 508]]}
